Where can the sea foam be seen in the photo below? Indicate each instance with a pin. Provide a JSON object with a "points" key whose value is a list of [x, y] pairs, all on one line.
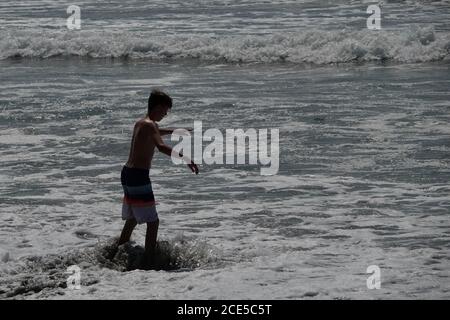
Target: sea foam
{"points": [[311, 47]]}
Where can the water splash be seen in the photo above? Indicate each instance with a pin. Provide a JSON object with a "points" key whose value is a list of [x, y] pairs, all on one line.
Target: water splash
{"points": [[37, 273], [176, 254]]}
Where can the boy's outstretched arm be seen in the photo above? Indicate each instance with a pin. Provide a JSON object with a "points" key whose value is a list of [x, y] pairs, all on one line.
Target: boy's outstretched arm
{"points": [[162, 147], [166, 131]]}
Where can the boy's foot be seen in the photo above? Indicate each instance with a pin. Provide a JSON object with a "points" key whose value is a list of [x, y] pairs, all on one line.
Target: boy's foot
{"points": [[112, 250], [147, 264], [112, 253]]}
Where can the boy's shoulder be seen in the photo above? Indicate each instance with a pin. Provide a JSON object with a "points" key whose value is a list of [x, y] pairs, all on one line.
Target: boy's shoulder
{"points": [[146, 124]]}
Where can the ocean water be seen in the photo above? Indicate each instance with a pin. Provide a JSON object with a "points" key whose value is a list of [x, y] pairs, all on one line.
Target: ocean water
{"points": [[364, 148]]}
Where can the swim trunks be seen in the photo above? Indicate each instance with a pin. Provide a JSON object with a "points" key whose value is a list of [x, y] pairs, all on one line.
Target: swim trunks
{"points": [[138, 200]]}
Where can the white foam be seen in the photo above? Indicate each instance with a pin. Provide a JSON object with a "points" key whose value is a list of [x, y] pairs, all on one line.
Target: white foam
{"points": [[314, 46], [17, 137]]}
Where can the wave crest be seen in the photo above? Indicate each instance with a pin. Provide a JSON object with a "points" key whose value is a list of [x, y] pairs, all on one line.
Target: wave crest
{"points": [[312, 47]]}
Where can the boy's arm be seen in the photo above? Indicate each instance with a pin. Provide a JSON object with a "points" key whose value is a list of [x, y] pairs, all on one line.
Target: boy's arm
{"points": [[162, 147], [166, 131]]}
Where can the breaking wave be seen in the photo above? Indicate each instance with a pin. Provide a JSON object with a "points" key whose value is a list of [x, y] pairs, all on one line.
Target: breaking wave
{"points": [[310, 47]]}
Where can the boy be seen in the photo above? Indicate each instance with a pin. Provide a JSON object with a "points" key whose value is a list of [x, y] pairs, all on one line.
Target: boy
{"points": [[138, 201]]}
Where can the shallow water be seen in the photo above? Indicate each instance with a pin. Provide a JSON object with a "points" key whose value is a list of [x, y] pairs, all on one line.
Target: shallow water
{"points": [[364, 155]]}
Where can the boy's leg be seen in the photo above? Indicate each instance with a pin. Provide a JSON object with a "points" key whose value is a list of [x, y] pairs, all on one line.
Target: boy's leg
{"points": [[150, 241], [127, 231], [124, 237]]}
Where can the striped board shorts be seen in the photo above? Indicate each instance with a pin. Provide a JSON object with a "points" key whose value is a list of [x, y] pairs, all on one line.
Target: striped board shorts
{"points": [[138, 200]]}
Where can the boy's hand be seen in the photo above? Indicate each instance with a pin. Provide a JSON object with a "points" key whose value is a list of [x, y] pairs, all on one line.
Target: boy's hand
{"points": [[193, 167]]}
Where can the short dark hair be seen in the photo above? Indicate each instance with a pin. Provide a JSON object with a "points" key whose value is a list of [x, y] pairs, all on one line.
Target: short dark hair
{"points": [[158, 97]]}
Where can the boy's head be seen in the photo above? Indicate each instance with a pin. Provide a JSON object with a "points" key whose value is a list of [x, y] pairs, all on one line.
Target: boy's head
{"points": [[158, 105]]}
